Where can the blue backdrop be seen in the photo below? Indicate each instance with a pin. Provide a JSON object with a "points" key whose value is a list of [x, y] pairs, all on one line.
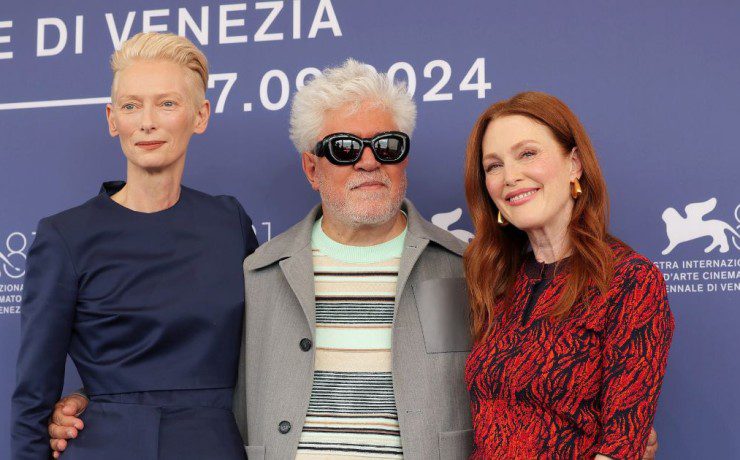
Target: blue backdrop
{"points": [[655, 83]]}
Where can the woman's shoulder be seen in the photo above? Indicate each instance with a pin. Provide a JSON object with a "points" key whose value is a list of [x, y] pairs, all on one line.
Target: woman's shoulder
{"points": [[200, 196], [629, 263], [227, 204], [226, 212], [637, 291], [638, 287], [75, 219]]}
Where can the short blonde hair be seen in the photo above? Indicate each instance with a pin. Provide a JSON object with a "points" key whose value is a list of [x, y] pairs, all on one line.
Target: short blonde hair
{"points": [[348, 85], [166, 47]]}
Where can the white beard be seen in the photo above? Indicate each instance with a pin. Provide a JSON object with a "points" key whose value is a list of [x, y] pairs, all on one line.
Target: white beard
{"points": [[373, 208]]}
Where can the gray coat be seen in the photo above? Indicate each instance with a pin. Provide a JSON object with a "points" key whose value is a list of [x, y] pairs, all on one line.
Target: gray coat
{"points": [[429, 347]]}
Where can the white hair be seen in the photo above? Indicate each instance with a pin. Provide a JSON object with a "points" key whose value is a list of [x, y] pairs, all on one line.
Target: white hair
{"points": [[349, 85]]}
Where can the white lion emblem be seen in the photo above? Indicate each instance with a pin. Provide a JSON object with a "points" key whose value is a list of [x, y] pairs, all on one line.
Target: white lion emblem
{"points": [[681, 230], [445, 219]]}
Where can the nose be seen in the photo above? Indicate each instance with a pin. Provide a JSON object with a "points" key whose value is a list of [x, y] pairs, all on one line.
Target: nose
{"points": [[367, 161], [147, 119], [512, 174]]}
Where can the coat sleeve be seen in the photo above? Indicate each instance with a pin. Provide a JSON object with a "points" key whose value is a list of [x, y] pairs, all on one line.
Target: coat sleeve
{"points": [[47, 315], [635, 352]]}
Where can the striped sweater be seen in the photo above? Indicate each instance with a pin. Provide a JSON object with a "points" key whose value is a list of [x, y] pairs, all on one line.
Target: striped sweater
{"points": [[352, 410]]}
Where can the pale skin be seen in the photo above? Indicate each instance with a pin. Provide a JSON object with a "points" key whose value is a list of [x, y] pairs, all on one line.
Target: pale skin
{"points": [[528, 176], [522, 156], [154, 113]]}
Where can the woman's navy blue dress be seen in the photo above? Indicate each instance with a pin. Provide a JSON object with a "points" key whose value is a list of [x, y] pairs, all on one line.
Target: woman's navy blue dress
{"points": [[150, 308]]}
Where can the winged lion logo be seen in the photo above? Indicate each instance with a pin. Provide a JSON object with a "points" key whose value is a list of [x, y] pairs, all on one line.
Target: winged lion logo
{"points": [[683, 229]]}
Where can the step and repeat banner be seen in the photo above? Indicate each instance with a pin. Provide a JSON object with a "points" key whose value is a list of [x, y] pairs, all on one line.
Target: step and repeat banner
{"points": [[656, 85]]}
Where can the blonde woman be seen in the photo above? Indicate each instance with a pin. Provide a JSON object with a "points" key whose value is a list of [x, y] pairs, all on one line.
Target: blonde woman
{"points": [[141, 285]]}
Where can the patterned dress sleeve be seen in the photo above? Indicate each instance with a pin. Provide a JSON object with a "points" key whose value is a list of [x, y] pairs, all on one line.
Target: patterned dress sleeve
{"points": [[47, 315], [635, 352]]}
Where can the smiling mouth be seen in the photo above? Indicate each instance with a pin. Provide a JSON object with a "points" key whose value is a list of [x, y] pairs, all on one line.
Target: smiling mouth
{"points": [[521, 197]]}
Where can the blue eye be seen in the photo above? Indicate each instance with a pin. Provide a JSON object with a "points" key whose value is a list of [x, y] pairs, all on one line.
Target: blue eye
{"points": [[168, 103], [528, 154], [128, 106]]}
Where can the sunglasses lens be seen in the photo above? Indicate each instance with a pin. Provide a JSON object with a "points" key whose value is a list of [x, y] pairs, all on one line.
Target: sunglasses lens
{"points": [[345, 150], [390, 147]]}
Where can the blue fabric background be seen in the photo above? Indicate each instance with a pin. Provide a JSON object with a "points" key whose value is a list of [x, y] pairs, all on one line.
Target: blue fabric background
{"points": [[656, 85]]}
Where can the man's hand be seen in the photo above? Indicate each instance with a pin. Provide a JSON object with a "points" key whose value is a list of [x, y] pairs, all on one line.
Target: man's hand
{"points": [[64, 423], [652, 446]]}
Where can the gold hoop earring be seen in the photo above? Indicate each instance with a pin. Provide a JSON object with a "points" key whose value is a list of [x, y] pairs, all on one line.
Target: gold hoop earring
{"points": [[501, 221], [575, 189]]}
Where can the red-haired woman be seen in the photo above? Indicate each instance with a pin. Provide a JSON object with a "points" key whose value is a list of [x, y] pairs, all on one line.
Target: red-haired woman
{"points": [[571, 326]]}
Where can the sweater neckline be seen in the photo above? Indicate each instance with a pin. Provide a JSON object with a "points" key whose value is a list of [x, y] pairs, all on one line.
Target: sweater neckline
{"points": [[536, 270], [356, 254], [110, 188]]}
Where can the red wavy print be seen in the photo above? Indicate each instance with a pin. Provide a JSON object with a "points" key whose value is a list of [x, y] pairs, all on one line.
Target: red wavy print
{"points": [[543, 388]]}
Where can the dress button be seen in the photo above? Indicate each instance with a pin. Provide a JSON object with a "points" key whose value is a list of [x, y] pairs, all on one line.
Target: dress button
{"points": [[284, 427], [305, 344]]}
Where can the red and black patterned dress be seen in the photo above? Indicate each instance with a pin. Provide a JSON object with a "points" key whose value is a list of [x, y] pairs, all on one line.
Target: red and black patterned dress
{"points": [[570, 389]]}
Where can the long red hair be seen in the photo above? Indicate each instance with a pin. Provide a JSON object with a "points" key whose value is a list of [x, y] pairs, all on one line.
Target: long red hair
{"points": [[494, 257]]}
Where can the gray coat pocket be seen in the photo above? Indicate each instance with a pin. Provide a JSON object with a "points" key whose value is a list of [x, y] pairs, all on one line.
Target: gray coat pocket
{"points": [[444, 314]]}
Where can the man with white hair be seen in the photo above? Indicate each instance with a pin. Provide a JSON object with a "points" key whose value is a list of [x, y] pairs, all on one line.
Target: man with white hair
{"points": [[355, 328]]}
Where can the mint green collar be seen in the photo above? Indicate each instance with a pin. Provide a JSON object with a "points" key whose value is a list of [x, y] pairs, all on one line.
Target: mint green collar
{"points": [[356, 254]]}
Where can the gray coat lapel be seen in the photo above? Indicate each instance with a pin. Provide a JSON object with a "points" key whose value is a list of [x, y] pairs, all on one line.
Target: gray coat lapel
{"points": [[413, 246], [418, 235], [298, 270], [292, 251]]}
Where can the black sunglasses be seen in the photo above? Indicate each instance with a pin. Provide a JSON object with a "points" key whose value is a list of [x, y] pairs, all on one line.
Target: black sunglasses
{"points": [[346, 149]]}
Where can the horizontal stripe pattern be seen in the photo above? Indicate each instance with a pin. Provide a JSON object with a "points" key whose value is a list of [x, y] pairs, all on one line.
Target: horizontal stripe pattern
{"points": [[352, 392], [353, 338], [352, 411], [325, 263], [337, 312]]}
